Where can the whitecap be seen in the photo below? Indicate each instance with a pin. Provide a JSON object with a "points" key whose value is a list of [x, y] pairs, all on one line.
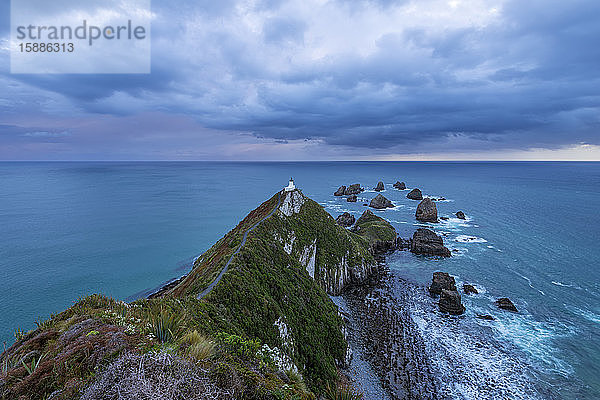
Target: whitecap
{"points": [[469, 239], [589, 315], [557, 283]]}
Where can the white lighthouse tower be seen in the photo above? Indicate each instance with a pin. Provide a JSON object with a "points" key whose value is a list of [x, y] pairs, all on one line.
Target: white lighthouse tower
{"points": [[290, 187]]}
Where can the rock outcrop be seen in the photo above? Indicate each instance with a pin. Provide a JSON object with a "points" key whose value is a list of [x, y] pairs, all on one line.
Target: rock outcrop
{"points": [[380, 187], [486, 317], [461, 215], [441, 281], [352, 198], [415, 194], [469, 289], [450, 302], [380, 202], [346, 219], [392, 341], [426, 211], [427, 243], [341, 191], [381, 234], [353, 189], [400, 185], [505, 304]]}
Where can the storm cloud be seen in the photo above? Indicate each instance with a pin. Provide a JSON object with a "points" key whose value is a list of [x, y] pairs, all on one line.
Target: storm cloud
{"points": [[262, 78]]}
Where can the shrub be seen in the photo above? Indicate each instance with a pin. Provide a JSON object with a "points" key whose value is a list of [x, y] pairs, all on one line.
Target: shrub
{"points": [[164, 325], [238, 346], [153, 376]]}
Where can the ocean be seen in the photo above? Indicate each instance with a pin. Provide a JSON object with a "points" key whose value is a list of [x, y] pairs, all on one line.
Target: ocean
{"points": [[69, 229]]}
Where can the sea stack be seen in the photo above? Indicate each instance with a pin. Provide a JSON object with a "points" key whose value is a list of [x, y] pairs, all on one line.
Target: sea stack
{"points": [[415, 194], [341, 190], [426, 211], [352, 198], [353, 189], [381, 202], [427, 243], [461, 215], [450, 302], [505, 304], [400, 185], [441, 281], [380, 187], [346, 219]]}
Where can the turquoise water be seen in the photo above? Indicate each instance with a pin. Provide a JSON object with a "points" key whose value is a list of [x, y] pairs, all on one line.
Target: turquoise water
{"points": [[71, 229]]}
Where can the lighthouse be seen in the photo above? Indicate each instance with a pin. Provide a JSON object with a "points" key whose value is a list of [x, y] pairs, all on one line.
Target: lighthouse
{"points": [[290, 187]]}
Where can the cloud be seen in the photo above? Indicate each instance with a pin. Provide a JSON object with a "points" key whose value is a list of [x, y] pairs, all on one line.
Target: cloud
{"points": [[358, 78]]}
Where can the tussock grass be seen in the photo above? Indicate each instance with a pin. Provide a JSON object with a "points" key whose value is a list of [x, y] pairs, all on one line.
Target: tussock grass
{"points": [[343, 391], [198, 346]]}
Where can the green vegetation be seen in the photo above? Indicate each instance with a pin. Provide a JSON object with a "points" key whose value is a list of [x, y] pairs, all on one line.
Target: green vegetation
{"points": [[343, 391], [374, 228], [164, 325], [267, 331]]}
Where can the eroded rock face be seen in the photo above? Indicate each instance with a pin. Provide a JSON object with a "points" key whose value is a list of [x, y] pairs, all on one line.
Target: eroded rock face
{"points": [[450, 302], [380, 202], [469, 289], [346, 219], [400, 185], [415, 194], [505, 304], [292, 203], [352, 199], [379, 187], [353, 189], [460, 215], [426, 242], [426, 211], [341, 190], [442, 281]]}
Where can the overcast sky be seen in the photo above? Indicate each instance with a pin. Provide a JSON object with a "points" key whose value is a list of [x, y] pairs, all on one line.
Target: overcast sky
{"points": [[320, 80]]}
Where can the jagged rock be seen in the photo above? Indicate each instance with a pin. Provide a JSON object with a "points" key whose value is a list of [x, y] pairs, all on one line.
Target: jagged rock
{"points": [[415, 194], [487, 317], [353, 189], [428, 243], [469, 289], [460, 215], [426, 211], [341, 191], [379, 187], [400, 185], [444, 218], [450, 302], [441, 281], [505, 304], [352, 199], [345, 219], [380, 202]]}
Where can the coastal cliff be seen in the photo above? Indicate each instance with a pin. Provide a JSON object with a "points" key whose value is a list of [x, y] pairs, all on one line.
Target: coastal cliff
{"points": [[266, 328]]}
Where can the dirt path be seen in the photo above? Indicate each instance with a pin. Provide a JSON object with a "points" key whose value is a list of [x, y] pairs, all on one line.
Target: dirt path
{"points": [[224, 270]]}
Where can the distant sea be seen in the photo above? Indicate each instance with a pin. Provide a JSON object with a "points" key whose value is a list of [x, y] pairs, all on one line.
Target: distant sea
{"points": [[69, 229]]}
